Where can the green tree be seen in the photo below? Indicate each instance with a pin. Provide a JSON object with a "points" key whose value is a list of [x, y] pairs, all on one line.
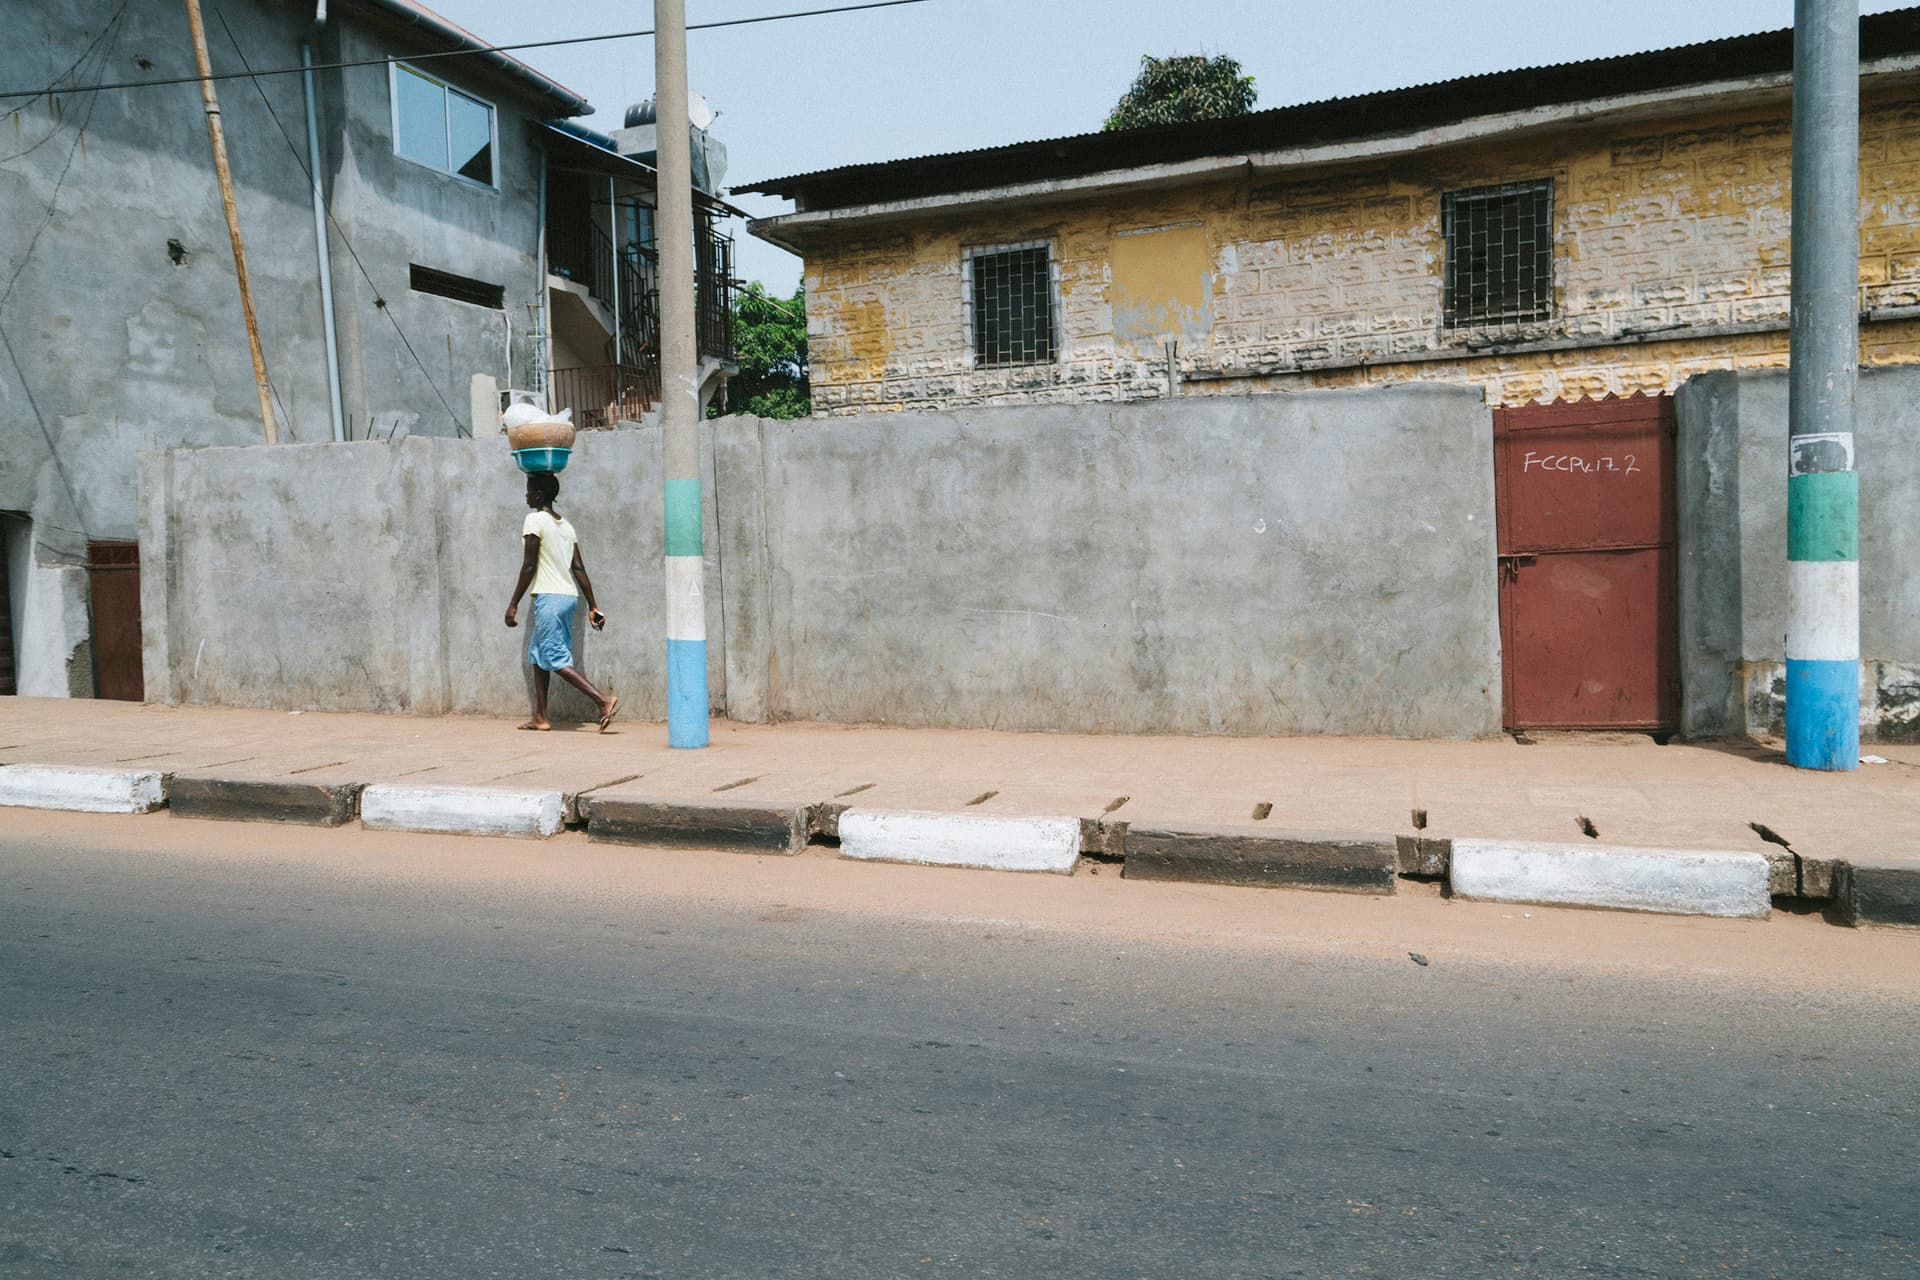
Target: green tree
{"points": [[770, 345], [1180, 88]]}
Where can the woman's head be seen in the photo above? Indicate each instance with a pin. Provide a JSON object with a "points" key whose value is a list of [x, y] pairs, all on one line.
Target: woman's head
{"points": [[542, 488]]}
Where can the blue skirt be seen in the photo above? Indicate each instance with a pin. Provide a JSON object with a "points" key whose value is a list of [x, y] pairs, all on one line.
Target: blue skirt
{"points": [[550, 647]]}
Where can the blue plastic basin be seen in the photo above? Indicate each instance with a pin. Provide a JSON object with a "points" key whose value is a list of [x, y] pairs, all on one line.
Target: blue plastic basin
{"points": [[532, 460]]}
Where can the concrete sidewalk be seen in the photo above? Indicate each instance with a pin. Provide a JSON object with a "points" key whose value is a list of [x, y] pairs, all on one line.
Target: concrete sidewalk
{"points": [[1311, 811]]}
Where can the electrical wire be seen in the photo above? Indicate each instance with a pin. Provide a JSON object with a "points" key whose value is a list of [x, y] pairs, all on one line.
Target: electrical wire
{"points": [[466, 53], [53, 204], [53, 132], [379, 299], [73, 67]]}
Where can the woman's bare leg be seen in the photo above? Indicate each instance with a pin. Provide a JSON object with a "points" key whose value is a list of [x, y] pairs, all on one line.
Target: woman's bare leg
{"points": [[541, 679], [580, 682]]}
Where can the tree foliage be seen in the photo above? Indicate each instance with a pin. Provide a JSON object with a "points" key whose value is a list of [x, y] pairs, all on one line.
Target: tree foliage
{"points": [[770, 345], [1183, 87]]}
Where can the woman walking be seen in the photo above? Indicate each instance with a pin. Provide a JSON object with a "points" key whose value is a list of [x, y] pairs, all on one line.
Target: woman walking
{"points": [[552, 566]]}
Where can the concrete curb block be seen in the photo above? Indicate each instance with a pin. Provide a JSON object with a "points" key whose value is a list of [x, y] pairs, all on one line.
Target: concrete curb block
{"points": [[823, 819], [81, 790], [1796, 877], [986, 841], [1669, 881], [1422, 855], [1879, 895], [314, 804], [1246, 855], [1103, 838], [745, 828], [462, 811]]}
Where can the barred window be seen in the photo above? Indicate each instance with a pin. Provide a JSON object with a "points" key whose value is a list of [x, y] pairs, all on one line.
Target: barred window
{"points": [[1499, 253], [1010, 304]]}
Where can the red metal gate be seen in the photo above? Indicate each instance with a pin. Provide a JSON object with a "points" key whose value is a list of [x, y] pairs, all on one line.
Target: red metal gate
{"points": [[1588, 569]]}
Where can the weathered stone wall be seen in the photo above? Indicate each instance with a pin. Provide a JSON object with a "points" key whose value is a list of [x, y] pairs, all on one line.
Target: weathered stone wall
{"points": [[1314, 563], [1670, 260]]}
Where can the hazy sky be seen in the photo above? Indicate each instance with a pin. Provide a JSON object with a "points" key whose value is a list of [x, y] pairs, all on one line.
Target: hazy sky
{"points": [[950, 75]]}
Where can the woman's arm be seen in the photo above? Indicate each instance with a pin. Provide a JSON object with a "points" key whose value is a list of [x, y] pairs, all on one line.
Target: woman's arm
{"points": [[586, 587], [528, 563]]}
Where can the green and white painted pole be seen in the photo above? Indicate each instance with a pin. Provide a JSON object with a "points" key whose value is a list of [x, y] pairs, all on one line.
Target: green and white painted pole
{"points": [[1823, 489], [679, 387]]}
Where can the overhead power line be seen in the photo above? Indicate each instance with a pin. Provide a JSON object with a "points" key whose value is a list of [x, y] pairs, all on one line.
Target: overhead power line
{"points": [[113, 32], [55, 90], [379, 301]]}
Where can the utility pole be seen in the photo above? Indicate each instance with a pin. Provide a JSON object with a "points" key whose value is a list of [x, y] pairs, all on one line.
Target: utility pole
{"points": [[1823, 489], [679, 387], [219, 139]]}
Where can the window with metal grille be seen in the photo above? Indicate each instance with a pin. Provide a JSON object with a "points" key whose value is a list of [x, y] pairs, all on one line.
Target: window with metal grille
{"points": [[1499, 253], [1010, 304]]}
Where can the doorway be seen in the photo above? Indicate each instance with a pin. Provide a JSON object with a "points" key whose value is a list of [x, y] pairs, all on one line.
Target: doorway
{"points": [[113, 580], [1584, 500]]}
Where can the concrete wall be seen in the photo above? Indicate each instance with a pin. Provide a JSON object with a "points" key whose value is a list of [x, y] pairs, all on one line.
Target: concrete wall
{"points": [[1316, 563], [52, 650], [373, 576], [1670, 258], [1733, 568], [122, 313]]}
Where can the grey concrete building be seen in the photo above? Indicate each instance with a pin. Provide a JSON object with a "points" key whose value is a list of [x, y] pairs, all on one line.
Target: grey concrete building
{"points": [[473, 243]]}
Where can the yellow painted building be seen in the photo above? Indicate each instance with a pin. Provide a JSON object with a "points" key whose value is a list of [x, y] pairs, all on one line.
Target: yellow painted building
{"points": [[1604, 227]]}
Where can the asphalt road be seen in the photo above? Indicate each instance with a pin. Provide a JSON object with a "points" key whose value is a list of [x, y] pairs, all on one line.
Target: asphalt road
{"points": [[234, 1051]]}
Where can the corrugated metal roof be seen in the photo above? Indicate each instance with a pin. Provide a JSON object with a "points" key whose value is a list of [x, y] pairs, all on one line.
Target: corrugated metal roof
{"points": [[1329, 119]]}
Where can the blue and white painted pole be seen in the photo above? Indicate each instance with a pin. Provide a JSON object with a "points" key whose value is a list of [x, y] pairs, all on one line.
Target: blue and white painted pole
{"points": [[686, 617], [687, 705], [1823, 489]]}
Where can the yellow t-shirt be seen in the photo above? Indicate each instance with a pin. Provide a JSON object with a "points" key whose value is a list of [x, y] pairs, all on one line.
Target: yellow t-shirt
{"points": [[553, 574]]}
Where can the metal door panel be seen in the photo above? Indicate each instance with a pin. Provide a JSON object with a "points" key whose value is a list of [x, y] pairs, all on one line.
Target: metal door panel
{"points": [[1590, 631], [1588, 572], [113, 575]]}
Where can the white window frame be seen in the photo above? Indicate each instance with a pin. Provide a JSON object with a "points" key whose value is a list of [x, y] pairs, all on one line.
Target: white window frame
{"points": [[394, 67], [1053, 299]]}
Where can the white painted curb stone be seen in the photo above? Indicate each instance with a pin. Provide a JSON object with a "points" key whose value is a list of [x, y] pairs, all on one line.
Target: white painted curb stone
{"points": [[462, 811], [1672, 881], [961, 840], [34, 786]]}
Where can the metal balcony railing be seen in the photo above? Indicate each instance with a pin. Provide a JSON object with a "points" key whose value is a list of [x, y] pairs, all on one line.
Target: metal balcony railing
{"points": [[582, 252], [713, 297], [604, 394]]}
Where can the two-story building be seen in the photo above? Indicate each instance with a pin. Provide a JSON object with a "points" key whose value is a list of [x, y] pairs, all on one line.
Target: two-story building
{"points": [[1552, 233], [424, 231], [1599, 248]]}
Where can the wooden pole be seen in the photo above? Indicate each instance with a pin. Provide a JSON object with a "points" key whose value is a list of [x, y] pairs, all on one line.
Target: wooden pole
{"points": [[219, 139]]}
